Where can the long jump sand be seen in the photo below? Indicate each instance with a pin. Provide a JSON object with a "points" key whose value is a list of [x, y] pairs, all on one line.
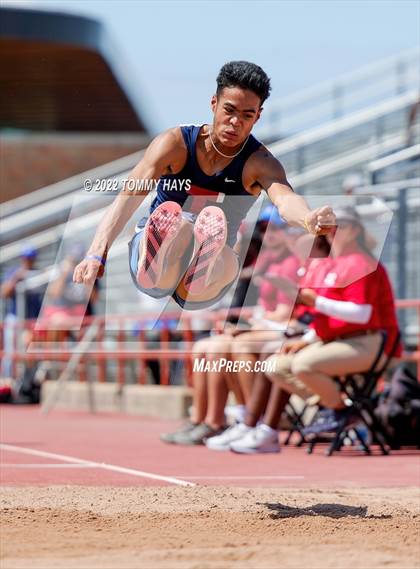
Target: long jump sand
{"points": [[209, 527]]}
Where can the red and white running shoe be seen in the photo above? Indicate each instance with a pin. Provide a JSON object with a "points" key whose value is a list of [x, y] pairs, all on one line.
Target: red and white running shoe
{"points": [[159, 232], [210, 233]]}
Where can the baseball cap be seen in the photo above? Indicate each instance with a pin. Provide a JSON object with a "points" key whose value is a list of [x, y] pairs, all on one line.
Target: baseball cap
{"points": [[347, 213], [270, 214], [352, 181], [29, 252]]}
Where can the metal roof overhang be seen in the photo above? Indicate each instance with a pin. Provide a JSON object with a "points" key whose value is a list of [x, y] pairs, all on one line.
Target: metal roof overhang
{"points": [[61, 72]]}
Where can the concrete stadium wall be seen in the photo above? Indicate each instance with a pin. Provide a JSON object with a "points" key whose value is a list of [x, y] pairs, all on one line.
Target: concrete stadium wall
{"points": [[164, 402], [32, 161]]}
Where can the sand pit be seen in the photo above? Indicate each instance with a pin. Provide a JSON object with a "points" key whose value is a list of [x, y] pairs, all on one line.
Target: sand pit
{"points": [[207, 527]]}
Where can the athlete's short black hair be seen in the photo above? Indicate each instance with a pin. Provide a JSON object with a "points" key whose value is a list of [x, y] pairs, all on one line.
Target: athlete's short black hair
{"points": [[245, 75]]}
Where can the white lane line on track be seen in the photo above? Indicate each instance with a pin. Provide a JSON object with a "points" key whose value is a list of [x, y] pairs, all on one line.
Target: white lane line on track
{"points": [[46, 465], [245, 477], [102, 465]]}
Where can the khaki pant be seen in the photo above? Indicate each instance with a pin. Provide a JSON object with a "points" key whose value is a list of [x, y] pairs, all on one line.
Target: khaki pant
{"points": [[311, 370]]}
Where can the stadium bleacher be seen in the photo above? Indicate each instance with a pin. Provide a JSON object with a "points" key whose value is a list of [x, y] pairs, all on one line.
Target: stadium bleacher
{"points": [[317, 158]]}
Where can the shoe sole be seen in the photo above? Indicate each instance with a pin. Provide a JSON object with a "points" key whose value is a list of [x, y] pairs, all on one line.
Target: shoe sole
{"points": [[210, 234], [255, 451], [220, 448], [168, 440], [159, 233], [188, 443]]}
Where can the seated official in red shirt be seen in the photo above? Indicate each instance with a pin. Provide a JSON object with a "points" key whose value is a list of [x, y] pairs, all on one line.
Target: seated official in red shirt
{"points": [[345, 335]]}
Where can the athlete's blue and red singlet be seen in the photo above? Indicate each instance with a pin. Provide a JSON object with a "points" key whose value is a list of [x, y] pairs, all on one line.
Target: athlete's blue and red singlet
{"points": [[205, 190]]}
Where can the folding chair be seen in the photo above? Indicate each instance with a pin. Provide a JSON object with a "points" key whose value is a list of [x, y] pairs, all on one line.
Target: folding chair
{"points": [[296, 423], [297, 419], [359, 388]]}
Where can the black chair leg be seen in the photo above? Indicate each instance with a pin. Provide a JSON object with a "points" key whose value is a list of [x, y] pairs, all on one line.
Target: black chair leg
{"points": [[375, 429], [297, 425], [311, 446], [301, 441], [289, 435], [337, 442]]}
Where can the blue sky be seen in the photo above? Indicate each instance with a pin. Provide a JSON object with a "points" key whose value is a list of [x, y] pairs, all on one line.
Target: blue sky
{"points": [[174, 49]]}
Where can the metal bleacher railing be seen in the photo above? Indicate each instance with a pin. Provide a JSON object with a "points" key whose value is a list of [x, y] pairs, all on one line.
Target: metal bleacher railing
{"points": [[317, 160], [343, 95], [376, 167], [312, 158]]}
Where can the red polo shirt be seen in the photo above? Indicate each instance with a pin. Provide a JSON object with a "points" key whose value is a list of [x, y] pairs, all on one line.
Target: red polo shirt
{"points": [[350, 278], [357, 278], [270, 295], [311, 276]]}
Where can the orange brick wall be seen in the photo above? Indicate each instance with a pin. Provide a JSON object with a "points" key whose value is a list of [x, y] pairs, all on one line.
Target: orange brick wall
{"points": [[31, 162]]}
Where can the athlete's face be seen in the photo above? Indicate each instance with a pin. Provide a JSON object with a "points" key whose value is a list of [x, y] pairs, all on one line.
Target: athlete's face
{"points": [[235, 113]]}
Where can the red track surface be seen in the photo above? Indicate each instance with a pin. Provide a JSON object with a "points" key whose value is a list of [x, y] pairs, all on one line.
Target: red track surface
{"points": [[133, 443]]}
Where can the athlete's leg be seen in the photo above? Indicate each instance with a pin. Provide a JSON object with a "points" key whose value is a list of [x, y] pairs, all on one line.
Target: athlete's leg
{"points": [[210, 234], [214, 265], [224, 272], [173, 267], [160, 250]]}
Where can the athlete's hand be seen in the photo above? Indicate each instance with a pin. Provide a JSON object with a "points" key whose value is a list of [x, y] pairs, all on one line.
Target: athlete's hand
{"points": [[320, 221], [88, 271]]}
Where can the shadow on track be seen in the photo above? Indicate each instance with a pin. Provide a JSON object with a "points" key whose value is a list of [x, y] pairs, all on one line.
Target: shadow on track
{"points": [[336, 511]]}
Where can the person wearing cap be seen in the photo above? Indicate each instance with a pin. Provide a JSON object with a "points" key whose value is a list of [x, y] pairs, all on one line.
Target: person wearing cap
{"points": [[33, 301], [352, 304], [16, 274], [65, 299], [266, 245]]}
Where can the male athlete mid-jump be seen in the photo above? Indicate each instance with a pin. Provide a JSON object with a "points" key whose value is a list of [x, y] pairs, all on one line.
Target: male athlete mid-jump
{"points": [[207, 178]]}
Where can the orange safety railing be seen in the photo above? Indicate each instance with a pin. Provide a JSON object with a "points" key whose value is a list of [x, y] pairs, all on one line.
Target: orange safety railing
{"points": [[124, 329]]}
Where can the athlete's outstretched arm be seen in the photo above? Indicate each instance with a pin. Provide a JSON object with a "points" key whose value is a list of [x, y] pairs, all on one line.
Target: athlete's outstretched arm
{"points": [[158, 159], [271, 176]]}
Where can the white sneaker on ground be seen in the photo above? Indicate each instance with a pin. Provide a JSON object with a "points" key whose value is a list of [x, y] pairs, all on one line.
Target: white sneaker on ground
{"points": [[258, 440], [233, 433]]}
